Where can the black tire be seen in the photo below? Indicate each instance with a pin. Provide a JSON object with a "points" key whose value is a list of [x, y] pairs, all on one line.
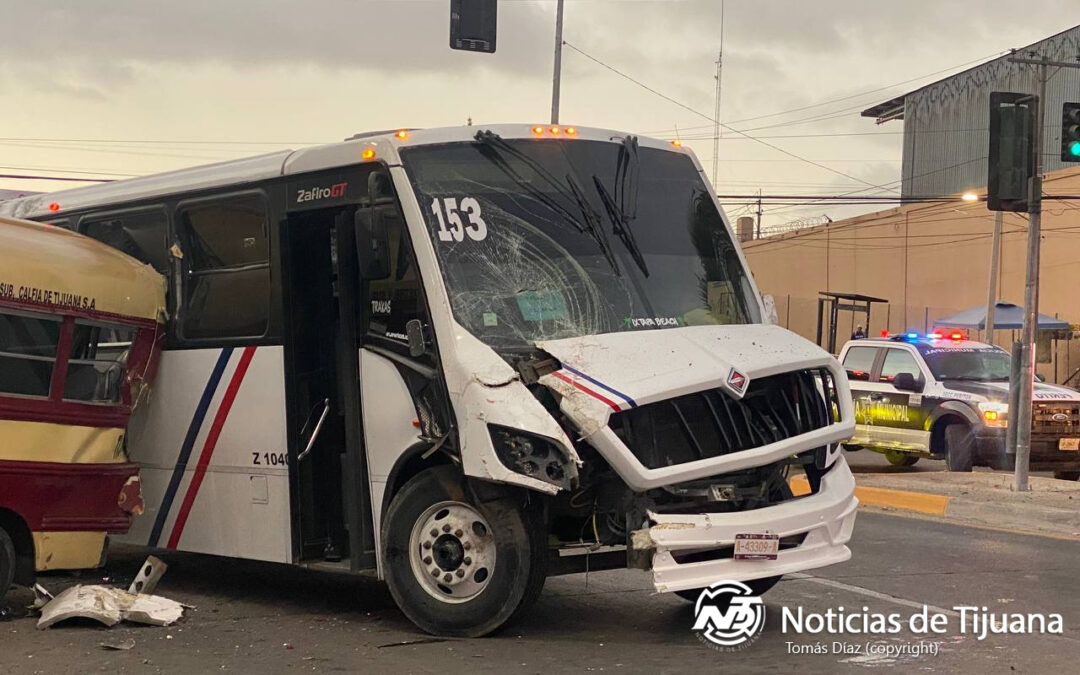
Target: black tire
{"points": [[758, 586], [851, 448], [958, 447], [1067, 475], [7, 562], [519, 565], [900, 458]]}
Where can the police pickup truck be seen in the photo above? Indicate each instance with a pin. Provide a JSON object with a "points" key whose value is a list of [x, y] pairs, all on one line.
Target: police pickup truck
{"points": [[946, 397]]}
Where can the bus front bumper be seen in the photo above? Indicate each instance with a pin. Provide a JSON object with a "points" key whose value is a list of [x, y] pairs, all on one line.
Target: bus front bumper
{"points": [[690, 551]]}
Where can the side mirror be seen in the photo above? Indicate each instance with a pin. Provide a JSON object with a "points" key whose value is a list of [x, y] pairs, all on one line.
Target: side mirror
{"points": [[770, 316], [372, 242], [414, 331], [907, 382]]}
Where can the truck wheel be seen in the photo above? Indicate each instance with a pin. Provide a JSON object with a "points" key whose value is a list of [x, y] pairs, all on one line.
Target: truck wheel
{"points": [[1067, 475], [898, 458], [455, 567], [958, 442], [758, 586], [7, 562]]}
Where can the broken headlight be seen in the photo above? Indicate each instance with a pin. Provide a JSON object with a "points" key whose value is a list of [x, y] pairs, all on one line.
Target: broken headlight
{"points": [[530, 455]]}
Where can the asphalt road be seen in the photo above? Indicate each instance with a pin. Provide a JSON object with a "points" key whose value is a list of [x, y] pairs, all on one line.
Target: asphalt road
{"points": [[255, 618]]}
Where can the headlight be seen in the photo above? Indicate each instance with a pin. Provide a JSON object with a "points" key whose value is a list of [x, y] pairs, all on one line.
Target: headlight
{"points": [[994, 413], [531, 455]]}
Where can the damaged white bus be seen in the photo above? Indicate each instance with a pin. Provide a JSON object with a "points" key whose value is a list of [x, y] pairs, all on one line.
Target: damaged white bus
{"points": [[465, 359]]}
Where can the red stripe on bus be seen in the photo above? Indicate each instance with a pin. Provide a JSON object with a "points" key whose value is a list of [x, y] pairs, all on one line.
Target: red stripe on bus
{"points": [[210, 445], [590, 392]]}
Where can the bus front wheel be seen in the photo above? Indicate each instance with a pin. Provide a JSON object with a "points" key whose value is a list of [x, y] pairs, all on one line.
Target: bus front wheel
{"points": [[457, 567], [7, 562]]}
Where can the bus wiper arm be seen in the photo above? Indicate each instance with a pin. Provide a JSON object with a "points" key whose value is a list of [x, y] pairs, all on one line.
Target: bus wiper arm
{"points": [[620, 225], [594, 229]]}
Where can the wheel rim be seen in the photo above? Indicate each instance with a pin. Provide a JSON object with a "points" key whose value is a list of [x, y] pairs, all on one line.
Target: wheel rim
{"points": [[452, 551]]}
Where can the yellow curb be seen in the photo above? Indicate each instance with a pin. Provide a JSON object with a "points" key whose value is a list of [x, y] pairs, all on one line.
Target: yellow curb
{"points": [[903, 500]]}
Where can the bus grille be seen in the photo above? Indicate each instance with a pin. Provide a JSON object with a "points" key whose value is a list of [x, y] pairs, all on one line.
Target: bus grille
{"points": [[1066, 424], [711, 423]]}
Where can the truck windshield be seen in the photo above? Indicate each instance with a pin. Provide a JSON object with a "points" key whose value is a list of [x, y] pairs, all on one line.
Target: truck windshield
{"points": [[548, 239], [973, 364]]}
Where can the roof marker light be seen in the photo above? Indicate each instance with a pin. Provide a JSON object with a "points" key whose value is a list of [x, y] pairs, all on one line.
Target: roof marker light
{"points": [[54, 207], [677, 143], [571, 131], [554, 131], [367, 153], [402, 134], [539, 131]]}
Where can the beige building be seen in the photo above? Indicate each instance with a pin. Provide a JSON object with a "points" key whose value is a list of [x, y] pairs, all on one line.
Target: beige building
{"points": [[929, 260]]}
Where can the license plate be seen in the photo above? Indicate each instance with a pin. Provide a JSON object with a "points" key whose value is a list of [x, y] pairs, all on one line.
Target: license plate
{"points": [[1070, 444], [757, 546]]}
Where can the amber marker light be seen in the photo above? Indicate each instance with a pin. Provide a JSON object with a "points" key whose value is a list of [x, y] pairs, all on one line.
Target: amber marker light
{"points": [[539, 131], [402, 134], [677, 143], [367, 153], [570, 131], [54, 207]]}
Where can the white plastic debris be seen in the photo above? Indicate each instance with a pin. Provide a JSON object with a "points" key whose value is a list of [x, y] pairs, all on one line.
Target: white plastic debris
{"points": [[110, 606]]}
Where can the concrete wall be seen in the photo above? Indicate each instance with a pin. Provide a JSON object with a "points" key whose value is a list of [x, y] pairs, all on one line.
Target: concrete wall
{"points": [[929, 261]]}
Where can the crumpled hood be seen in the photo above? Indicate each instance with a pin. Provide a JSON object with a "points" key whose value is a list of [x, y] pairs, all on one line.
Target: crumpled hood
{"points": [[639, 367]]}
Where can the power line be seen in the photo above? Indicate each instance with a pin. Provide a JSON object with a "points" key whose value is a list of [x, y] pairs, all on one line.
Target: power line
{"points": [[725, 126]]}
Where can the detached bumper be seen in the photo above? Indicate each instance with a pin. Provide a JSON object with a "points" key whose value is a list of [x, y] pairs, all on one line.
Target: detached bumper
{"points": [[826, 519]]}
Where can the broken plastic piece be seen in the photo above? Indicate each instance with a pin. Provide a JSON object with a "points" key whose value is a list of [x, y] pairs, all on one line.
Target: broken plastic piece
{"points": [[110, 606]]}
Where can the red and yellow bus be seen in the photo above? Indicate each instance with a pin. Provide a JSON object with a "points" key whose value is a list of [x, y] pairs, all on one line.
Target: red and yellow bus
{"points": [[80, 327]]}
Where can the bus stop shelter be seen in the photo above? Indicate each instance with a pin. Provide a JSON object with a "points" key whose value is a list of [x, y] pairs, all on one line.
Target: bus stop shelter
{"points": [[833, 303]]}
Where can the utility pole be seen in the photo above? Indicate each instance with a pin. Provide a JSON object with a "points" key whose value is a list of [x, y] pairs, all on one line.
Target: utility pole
{"points": [[991, 294], [716, 108], [757, 233], [557, 78]]}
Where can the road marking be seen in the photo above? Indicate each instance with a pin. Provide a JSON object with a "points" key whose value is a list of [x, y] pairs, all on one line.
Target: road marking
{"points": [[902, 500], [800, 576]]}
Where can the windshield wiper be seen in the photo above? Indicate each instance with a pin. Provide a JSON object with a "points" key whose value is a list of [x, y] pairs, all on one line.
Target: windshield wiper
{"points": [[495, 143], [620, 225]]}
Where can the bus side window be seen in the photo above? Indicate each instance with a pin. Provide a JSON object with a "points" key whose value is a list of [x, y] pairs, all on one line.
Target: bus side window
{"points": [[98, 360], [226, 286], [396, 300], [27, 353], [141, 235]]}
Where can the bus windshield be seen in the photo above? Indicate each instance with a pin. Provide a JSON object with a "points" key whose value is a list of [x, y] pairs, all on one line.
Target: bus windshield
{"points": [[548, 239]]}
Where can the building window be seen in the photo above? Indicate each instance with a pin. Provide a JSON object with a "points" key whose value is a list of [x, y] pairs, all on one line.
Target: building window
{"points": [[396, 300], [98, 361], [27, 353], [226, 250], [141, 235]]}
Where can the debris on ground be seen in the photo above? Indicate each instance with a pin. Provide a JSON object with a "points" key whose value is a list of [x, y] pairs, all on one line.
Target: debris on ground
{"points": [[122, 646], [149, 575], [110, 606], [41, 597]]}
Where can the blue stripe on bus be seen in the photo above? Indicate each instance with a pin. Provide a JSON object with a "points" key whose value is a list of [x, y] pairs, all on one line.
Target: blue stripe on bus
{"points": [[601, 385], [189, 443]]}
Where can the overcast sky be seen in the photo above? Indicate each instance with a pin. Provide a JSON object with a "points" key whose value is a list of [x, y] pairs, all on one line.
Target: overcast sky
{"points": [[138, 86]]}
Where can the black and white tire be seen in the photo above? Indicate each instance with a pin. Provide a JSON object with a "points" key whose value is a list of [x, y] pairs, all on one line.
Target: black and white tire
{"points": [[958, 447], [900, 458], [458, 568], [7, 562], [758, 586]]}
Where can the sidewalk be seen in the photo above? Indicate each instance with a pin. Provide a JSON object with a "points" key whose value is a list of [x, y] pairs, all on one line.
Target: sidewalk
{"points": [[980, 498]]}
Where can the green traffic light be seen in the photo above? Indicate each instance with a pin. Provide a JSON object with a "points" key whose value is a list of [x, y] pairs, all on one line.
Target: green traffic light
{"points": [[1074, 148]]}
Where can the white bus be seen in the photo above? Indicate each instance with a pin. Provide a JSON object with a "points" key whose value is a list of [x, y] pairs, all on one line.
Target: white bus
{"points": [[464, 359]]}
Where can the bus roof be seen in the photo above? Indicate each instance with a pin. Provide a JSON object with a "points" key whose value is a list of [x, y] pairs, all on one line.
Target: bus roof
{"points": [[46, 267], [288, 162]]}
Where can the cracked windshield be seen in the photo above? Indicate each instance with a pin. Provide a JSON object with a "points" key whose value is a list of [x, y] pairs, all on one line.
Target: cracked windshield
{"points": [[542, 239]]}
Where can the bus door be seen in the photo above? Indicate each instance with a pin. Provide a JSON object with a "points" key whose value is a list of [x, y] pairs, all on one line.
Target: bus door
{"points": [[321, 290]]}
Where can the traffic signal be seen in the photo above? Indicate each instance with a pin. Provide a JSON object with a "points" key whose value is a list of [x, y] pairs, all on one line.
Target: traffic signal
{"points": [[1011, 165], [472, 25], [1070, 132]]}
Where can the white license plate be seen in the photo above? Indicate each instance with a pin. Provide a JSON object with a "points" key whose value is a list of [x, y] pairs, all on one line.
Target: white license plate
{"points": [[1071, 444], [757, 546]]}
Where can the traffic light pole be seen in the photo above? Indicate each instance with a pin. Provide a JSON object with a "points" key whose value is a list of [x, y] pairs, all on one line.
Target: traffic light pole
{"points": [[1024, 382]]}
